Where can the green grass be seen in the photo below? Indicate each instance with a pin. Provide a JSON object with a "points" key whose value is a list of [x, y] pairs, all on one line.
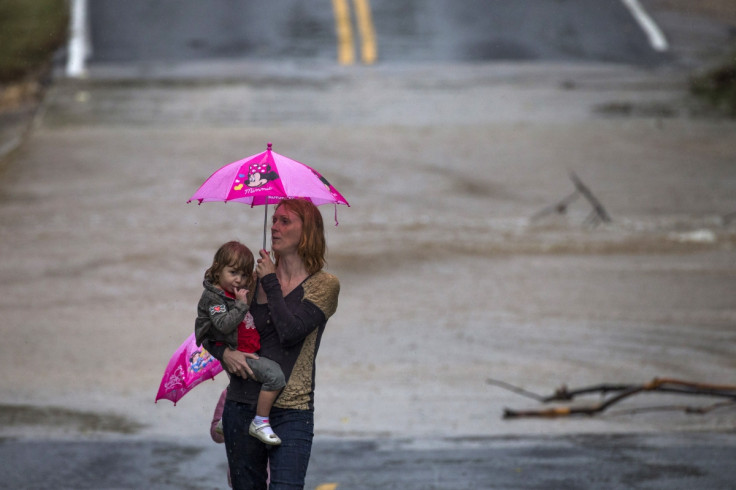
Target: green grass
{"points": [[717, 87], [30, 32]]}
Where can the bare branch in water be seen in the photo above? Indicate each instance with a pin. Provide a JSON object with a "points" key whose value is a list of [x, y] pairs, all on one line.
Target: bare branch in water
{"points": [[618, 393]]}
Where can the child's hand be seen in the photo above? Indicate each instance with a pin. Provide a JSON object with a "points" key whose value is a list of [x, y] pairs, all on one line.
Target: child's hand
{"points": [[241, 294]]}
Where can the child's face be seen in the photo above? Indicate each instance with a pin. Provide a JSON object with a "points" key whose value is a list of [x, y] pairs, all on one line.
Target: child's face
{"points": [[232, 278]]}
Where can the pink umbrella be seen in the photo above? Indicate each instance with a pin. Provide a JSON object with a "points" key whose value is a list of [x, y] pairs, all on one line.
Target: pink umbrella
{"points": [[189, 366], [267, 178]]}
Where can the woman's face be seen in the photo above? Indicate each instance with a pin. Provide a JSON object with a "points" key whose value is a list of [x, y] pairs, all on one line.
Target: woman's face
{"points": [[286, 231]]}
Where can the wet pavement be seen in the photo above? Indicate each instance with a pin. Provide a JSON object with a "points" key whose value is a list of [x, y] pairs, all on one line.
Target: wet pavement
{"points": [[406, 31], [663, 461]]}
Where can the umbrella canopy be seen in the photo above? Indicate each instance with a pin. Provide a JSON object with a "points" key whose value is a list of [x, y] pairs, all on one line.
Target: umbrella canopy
{"points": [[266, 178], [188, 367]]}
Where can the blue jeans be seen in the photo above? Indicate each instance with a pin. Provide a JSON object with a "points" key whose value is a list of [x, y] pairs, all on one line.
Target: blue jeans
{"points": [[249, 458]]}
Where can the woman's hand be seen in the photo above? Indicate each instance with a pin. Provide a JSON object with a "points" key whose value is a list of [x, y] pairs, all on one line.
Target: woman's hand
{"points": [[235, 363], [265, 265]]}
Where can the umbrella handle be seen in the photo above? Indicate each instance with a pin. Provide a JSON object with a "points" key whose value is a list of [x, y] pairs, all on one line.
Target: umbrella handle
{"points": [[265, 223]]}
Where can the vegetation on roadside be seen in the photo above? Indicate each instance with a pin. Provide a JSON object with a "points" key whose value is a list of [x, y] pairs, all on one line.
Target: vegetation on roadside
{"points": [[30, 32], [717, 87]]}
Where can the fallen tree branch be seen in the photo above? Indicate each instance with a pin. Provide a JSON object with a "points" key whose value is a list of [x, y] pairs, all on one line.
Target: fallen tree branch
{"points": [[515, 389], [664, 385], [599, 212], [559, 207], [678, 408], [622, 391], [596, 216]]}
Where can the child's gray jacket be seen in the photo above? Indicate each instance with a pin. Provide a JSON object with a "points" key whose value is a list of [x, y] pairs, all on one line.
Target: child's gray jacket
{"points": [[218, 317]]}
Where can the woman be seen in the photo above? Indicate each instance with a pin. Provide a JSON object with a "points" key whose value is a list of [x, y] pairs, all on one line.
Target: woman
{"points": [[294, 298]]}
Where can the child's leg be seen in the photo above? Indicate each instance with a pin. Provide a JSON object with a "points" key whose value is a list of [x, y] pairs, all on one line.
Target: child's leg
{"points": [[265, 402], [261, 425], [269, 374], [272, 380]]}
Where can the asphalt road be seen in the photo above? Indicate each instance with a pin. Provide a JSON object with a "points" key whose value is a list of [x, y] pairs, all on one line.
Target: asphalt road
{"points": [[601, 462], [406, 31]]}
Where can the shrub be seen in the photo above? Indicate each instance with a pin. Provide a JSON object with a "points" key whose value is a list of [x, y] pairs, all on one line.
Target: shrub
{"points": [[30, 32], [717, 87]]}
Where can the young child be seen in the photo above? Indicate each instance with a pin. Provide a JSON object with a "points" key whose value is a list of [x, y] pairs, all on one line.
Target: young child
{"points": [[223, 318]]}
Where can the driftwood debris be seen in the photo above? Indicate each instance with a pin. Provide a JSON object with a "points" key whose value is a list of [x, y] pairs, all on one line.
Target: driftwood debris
{"points": [[617, 393], [597, 215]]}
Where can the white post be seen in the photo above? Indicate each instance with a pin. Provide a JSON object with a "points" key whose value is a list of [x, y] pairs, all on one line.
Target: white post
{"points": [[79, 42]]}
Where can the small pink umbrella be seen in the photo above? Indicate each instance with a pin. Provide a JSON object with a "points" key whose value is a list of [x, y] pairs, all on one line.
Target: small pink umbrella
{"points": [[267, 178], [188, 367]]}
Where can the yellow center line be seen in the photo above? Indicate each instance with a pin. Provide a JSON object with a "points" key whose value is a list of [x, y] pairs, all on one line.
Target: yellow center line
{"points": [[326, 486], [369, 51], [343, 26]]}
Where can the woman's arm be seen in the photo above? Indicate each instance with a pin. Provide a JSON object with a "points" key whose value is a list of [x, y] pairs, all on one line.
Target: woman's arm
{"points": [[233, 361], [291, 326]]}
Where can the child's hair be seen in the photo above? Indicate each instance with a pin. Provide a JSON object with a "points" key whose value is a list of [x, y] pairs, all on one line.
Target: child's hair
{"points": [[232, 254]]}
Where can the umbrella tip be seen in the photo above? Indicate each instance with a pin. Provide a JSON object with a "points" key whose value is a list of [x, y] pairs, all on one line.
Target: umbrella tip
{"points": [[269, 146]]}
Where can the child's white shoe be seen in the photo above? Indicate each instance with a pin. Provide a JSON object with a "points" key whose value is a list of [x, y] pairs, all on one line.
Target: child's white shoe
{"points": [[267, 437]]}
